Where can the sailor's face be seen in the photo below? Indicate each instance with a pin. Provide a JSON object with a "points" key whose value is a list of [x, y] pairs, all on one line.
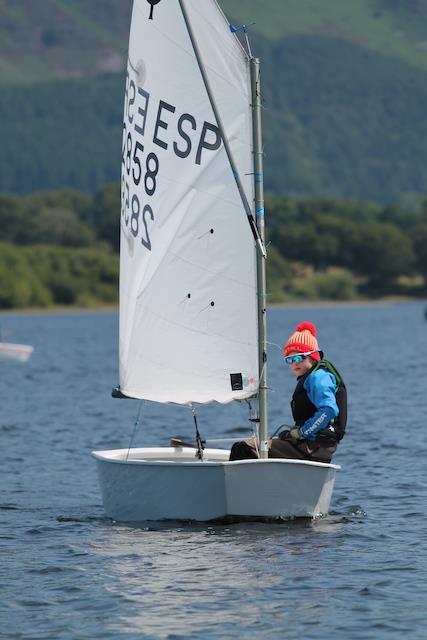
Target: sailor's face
{"points": [[300, 368]]}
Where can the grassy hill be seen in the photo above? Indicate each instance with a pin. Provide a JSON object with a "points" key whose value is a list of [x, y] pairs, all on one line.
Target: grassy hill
{"points": [[45, 39], [358, 131], [395, 28], [344, 88]]}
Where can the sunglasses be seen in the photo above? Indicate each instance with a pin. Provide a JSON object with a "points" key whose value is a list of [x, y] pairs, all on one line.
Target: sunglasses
{"points": [[299, 357]]}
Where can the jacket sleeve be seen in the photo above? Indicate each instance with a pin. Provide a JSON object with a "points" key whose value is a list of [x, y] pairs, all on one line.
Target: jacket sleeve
{"points": [[321, 388]]}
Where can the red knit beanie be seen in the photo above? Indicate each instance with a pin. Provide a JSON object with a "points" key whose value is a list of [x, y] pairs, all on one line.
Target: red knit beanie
{"points": [[303, 340]]}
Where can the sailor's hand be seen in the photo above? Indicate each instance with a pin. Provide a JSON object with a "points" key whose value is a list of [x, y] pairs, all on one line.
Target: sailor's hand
{"points": [[328, 435], [295, 434], [291, 434]]}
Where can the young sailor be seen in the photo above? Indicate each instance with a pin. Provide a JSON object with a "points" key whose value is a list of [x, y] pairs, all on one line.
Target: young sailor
{"points": [[319, 404]]}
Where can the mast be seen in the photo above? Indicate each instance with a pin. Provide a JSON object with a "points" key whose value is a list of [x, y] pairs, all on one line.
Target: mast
{"points": [[261, 259]]}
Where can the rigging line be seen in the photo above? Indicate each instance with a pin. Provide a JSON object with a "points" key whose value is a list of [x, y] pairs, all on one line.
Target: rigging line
{"points": [[274, 344], [288, 426], [256, 440], [248, 44], [219, 440], [255, 428], [199, 441], [261, 376], [244, 28], [134, 428], [252, 415], [246, 206]]}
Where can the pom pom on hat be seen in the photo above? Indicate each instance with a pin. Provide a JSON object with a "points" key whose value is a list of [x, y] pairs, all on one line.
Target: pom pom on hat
{"points": [[303, 340], [309, 326]]}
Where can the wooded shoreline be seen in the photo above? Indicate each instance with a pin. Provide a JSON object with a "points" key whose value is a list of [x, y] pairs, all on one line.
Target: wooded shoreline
{"points": [[62, 249]]}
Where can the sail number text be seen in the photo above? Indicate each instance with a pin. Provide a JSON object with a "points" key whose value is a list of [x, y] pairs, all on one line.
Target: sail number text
{"points": [[136, 168], [140, 169]]}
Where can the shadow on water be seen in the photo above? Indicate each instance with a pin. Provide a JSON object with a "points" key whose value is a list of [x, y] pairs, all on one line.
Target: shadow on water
{"points": [[331, 522]]}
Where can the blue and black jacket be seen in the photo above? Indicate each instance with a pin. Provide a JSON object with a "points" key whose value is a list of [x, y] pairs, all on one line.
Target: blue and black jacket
{"points": [[319, 404]]}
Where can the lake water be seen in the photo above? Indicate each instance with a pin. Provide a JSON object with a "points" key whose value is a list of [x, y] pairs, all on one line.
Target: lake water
{"points": [[67, 572]]}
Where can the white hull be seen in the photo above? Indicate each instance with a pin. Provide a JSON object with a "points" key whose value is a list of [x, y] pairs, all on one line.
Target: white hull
{"points": [[170, 483], [16, 352]]}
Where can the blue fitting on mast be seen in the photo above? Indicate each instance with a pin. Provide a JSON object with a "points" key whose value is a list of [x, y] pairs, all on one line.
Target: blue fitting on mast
{"points": [[243, 27], [260, 212]]}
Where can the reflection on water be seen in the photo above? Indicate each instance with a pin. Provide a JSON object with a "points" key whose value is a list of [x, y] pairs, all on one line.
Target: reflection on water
{"points": [[201, 573]]}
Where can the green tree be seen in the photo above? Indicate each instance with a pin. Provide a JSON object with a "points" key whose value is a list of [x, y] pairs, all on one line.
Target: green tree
{"points": [[61, 227], [105, 213], [12, 218], [419, 238], [279, 276], [382, 253], [19, 285]]}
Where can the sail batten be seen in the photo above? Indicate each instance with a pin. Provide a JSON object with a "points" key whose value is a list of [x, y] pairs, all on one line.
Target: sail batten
{"points": [[188, 299]]}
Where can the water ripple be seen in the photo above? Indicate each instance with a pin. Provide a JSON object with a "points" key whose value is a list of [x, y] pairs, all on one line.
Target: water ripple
{"points": [[69, 572]]}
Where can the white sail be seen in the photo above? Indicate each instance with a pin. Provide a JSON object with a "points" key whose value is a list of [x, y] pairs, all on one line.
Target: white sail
{"points": [[188, 305]]}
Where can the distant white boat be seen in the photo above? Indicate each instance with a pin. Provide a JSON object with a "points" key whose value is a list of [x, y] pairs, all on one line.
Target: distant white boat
{"points": [[16, 352], [192, 272]]}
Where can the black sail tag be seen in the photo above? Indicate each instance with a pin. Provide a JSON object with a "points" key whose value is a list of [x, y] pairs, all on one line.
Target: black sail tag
{"points": [[152, 2], [236, 381]]}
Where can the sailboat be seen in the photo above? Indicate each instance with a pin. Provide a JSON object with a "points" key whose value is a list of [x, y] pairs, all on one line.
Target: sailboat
{"points": [[15, 352], [192, 320], [10, 351]]}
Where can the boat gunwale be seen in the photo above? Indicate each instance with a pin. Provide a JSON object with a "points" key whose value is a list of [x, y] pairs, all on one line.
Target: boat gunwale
{"points": [[103, 456]]}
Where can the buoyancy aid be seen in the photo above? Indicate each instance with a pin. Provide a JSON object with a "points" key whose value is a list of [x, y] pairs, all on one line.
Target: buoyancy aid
{"points": [[303, 409]]}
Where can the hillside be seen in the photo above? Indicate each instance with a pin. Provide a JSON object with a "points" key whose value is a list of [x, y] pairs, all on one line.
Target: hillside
{"points": [[358, 132], [72, 38], [394, 28], [45, 39], [344, 88]]}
